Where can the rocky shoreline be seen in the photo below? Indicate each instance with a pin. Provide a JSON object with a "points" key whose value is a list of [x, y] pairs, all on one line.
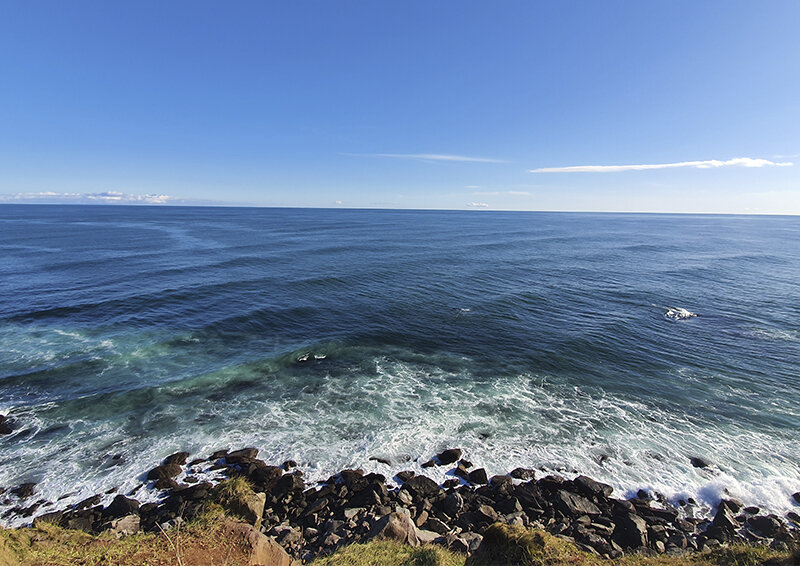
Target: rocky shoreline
{"points": [[314, 520]]}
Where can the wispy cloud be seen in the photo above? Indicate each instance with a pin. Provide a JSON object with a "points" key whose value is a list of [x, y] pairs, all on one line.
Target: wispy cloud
{"points": [[498, 193], [478, 205], [433, 157], [105, 197], [709, 164]]}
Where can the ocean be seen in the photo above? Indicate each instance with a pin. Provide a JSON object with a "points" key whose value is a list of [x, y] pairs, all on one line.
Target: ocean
{"points": [[558, 341]]}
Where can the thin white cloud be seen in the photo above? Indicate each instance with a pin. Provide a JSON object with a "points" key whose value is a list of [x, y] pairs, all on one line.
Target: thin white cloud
{"points": [[433, 157], [105, 197], [709, 164], [498, 193], [478, 205], [472, 186]]}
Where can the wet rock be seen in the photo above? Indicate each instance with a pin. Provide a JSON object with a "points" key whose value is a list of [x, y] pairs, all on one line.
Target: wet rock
{"points": [[724, 525], [88, 502], [449, 456], [452, 504], [166, 483], [478, 477], [590, 488], [796, 497], [120, 507], [288, 465], [243, 456], [178, 458], [501, 482], [524, 474], [630, 531], [461, 472], [699, 462], [164, 471], [395, 526], [24, 490], [380, 460], [733, 504], [752, 510], [452, 482], [217, 455], [5, 425], [764, 525], [405, 475]]}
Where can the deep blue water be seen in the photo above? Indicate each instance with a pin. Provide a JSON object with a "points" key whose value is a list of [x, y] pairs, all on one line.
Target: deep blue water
{"points": [[329, 336]]}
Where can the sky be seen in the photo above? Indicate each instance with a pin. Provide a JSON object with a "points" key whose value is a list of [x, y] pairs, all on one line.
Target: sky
{"points": [[677, 106]]}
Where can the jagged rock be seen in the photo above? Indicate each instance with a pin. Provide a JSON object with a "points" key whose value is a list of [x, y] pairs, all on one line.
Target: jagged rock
{"points": [[500, 482], [452, 504], [487, 513], [288, 483], [261, 549], [164, 471], [752, 510], [178, 458], [453, 542], [422, 487], [698, 462], [5, 425], [764, 525], [574, 505], [24, 490], [395, 526], [427, 537], [437, 526], [243, 456], [217, 455], [461, 472], [405, 475], [733, 504], [121, 506], [590, 488], [630, 531], [724, 525], [524, 474], [478, 477], [796, 497], [124, 526], [449, 456]]}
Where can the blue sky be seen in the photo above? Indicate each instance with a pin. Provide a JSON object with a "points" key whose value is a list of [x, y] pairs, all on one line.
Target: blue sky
{"points": [[404, 105]]}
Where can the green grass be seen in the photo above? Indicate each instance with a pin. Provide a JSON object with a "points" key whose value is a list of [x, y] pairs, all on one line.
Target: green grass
{"points": [[390, 553]]}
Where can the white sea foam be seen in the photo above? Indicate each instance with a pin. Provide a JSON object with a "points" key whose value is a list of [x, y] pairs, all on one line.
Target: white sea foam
{"points": [[406, 413], [678, 313]]}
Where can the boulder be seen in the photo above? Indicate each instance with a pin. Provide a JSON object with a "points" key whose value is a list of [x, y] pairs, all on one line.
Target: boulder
{"points": [[764, 525], [796, 497], [178, 458], [452, 504], [478, 477], [405, 475], [395, 526], [261, 549], [590, 488], [422, 487], [449, 456], [120, 507], [524, 474], [164, 471], [238, 457], [124, 526], [699, 462], [630, 531], [724, 525], [574, 505]]}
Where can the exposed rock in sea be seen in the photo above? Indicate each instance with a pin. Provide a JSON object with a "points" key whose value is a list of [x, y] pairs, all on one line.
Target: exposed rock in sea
{"points": [[24, 490], [5, 425], [699, 462], [164, 471]]}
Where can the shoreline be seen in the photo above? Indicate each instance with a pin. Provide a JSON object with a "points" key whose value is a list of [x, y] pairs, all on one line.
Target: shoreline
{"points": [[310, 520]]}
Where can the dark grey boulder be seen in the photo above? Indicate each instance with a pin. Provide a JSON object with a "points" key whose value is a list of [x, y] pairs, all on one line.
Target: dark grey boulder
{"points": [[525, 474], [449, 456], [574, 505], [121, 507], [24, 490], [590, 488], [238, 457], [764, 525], [698, 462], [630, 531], [422, 487], [164, 471], [478, 477], [178, 458], [5, 425]]}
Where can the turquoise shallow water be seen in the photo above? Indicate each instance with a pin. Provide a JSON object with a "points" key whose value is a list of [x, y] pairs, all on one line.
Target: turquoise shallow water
{"points": [[330, 336]]}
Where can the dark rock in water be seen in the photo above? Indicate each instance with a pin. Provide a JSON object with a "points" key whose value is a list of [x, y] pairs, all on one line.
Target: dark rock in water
{"points": [[405, 475], [500, 482], [752, 510], [733, 504], [466, 463], [524, 474], [218, 454], [449, 456], [196, 461], [380, 460], [178, 458], [166, 483], [630, 531], [552, 483], [591, 488], [764, 525], [792, 516], [88, 502], [724, 525], [120, 507], [428, 464], [452, 482], [165, 471], [5, 425], [288, 465], [478, 477], [423, 487], [644, 495], [699, 462], [24, 490], [574, 505], [461, 472], [796, 497], [243, 456]]}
